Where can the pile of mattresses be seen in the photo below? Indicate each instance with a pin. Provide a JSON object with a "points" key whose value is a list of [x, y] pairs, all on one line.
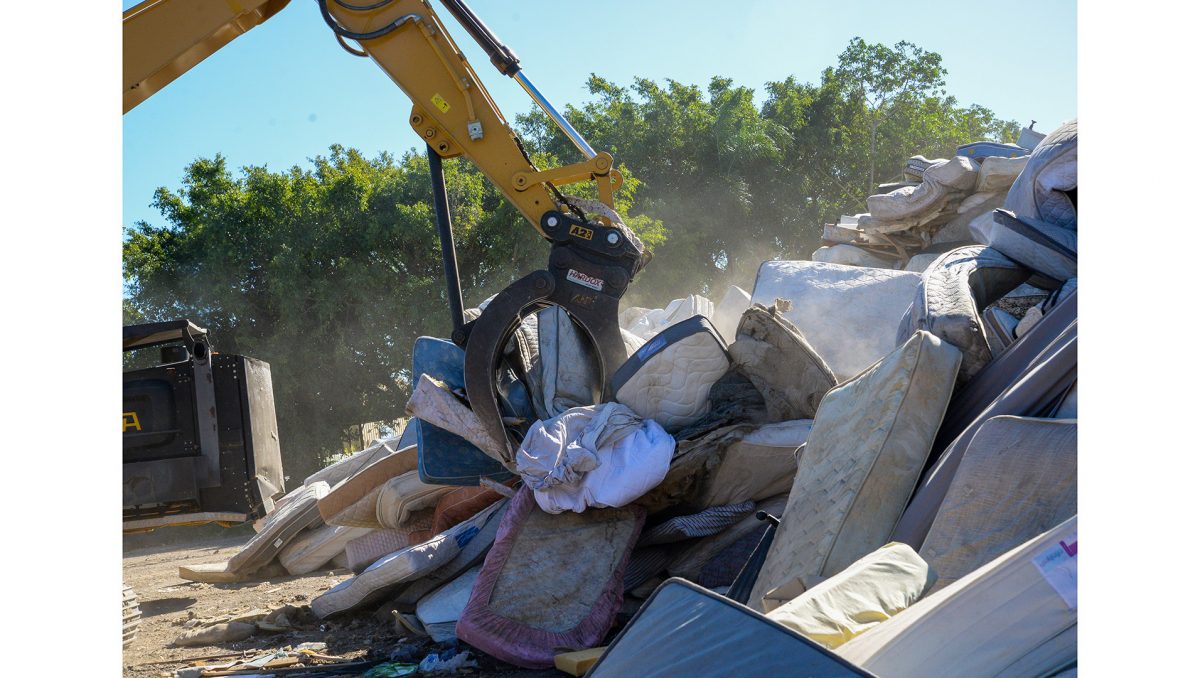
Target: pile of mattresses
{"points": [[848, 470], [929, 525], [294, 538], [937, 205]]}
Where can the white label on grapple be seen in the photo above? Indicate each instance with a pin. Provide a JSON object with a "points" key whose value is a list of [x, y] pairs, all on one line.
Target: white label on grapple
{"points": [[585, 280]]}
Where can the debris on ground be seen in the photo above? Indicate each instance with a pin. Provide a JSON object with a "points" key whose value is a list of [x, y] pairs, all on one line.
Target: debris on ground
{"points": [[216, 634]]}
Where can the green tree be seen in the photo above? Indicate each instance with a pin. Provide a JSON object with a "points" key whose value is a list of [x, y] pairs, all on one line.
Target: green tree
{"points": [[884, 78], [328, 273]]}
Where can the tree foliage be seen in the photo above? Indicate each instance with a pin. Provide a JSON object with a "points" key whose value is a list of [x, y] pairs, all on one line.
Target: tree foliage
{"points": [[330, 272]]}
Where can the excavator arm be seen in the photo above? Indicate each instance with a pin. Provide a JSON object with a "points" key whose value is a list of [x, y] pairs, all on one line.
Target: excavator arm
{"points": [[452, 110], [593, 256], [163, 39]]}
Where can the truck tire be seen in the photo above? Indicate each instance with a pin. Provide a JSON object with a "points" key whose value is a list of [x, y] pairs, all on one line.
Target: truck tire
{"points": [[131, 616]]}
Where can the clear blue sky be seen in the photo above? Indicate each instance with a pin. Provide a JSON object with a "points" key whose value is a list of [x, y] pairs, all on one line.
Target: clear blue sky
{"points": [[285, 91]]}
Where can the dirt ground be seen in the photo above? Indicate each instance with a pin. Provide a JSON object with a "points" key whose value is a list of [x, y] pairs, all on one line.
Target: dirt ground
{"points": [[167, 602]]}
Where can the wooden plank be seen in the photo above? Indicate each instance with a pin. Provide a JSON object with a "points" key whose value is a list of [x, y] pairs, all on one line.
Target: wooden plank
{"points": [[577, 663]]}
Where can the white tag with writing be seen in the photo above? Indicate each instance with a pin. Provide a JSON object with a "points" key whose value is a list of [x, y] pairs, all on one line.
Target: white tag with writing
{"points": [[1060, 566]]}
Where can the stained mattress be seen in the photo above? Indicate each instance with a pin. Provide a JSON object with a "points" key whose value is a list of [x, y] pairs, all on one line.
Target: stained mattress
{"points": [[864, 455], [1015, 616], [760, 465], [471, 555], [551, 583], [669, 378], [317, 546], [781, 364], [281, 527], [402, 566], [353, 503], [848, 314], [952, 293], [1017, 479]]}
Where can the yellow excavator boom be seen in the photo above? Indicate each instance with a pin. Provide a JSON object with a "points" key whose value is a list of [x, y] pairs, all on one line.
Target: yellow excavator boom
{"points": [[163, 39], [452, 111]]}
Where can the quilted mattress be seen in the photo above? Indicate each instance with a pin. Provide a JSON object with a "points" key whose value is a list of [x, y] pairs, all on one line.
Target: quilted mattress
{"points": [[402, 496], [848, 314], [911, 206], [864, 455], [952, 292], [1029, 378], [1041, 190], [366, 549], [280, 528], [402, 566], [317, 546], [352, 504], [1015, 616], [997, 173], [471, 555], [1016, 480], [669, 378]]}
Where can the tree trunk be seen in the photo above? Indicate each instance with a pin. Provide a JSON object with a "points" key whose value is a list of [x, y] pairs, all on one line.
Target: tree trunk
{"points": [[871, 157]]}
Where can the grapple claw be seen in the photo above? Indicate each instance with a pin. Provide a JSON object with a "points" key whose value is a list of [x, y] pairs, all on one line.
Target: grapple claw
{"points": [[588, 290]]}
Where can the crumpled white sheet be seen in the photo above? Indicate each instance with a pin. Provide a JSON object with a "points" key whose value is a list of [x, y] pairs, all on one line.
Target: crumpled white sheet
{"points": [[596, 456]]}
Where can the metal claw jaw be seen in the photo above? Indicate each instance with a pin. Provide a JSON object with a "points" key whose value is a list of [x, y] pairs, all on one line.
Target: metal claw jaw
{"points": [[586, 279]]}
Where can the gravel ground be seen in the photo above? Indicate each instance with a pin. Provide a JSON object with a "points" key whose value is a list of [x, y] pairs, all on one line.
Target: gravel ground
{"points": [[167, 602]]}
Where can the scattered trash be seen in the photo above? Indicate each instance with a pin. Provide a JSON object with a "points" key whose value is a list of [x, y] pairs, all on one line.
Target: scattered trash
{"points": [[391, 670], [447, 661], [407, 652], [215, 634]]}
